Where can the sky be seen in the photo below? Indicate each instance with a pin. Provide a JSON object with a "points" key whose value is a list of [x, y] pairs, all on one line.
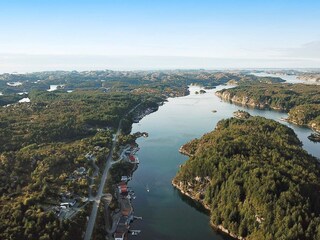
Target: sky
{"points": [[38, 35]]}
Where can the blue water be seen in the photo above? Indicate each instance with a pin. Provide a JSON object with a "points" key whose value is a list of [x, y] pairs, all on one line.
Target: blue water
{"points": [[166, 214]]}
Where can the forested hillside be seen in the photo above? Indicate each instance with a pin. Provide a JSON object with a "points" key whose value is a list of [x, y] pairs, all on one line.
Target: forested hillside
{"points": [[42, 146], [256, 180], [303, 101], [14, 87]]}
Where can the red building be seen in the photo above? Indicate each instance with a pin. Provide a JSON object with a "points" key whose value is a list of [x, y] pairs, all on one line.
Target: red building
{"points": [[132, 158]]}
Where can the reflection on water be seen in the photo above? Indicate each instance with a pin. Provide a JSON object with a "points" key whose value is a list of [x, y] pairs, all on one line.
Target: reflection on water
{"points": [[196, 205], [166, 214]]}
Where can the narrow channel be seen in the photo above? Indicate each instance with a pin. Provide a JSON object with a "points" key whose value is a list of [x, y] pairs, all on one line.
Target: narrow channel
{"points": [[166, 213]]}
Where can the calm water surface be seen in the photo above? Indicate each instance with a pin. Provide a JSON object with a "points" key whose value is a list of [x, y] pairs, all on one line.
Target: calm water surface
{"points": [[166, 214], [288, 78]]}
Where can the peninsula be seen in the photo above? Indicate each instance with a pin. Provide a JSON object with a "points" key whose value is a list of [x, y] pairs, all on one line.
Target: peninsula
{"points": [[301, 101], [248, 174]]}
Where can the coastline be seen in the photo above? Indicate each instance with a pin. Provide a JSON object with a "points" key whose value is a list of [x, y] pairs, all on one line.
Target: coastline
{"points": [[263, 106], [245, 101], [181, 192], [179, 187], [136, 118], [218, 228], [310, 126], [183, 151]]}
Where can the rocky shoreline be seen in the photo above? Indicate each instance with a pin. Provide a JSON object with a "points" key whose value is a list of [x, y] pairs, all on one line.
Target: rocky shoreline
{"points": [[179, 186], [206, 206], [312, 126], [315, 137], [184, 151], [246, 101]]}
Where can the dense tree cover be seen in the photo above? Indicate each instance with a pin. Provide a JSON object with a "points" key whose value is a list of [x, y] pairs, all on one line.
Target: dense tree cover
{"points": [[168, 83], [257, 180], [43, 142], [9, 99], [118, 170], [32, 179], [125, 139], [55, 116], [301, 100], [303, 114], [276, 96], [307, 114]]}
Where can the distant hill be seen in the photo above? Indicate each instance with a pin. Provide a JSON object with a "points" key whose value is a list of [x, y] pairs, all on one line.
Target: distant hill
{"points": [[123, 80]]}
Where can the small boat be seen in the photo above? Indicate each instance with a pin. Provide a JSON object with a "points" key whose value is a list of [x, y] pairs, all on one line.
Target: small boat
{"points": [[147, 188], [135, 232]]}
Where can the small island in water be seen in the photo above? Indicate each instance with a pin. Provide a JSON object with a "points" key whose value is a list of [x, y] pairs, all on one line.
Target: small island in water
{"points": [[315, 137], [200, 92], [241, 114], [255, 179]]}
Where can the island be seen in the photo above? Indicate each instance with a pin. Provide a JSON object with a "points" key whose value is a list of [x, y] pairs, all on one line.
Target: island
{"points": [[315, 137], [301, 101], [241, 114], [65, 135], [255, 179]]}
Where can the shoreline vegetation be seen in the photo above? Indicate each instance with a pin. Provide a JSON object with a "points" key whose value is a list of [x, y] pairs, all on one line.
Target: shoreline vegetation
{"points": [[315, 137], [300, 101], [185, 150], [54, 147], [207, 207], [59, 159], [14, 87], [247, 173]]}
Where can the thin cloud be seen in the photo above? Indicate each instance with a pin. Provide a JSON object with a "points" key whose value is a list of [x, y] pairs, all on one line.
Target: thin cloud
{"points": [[309, 50]]}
